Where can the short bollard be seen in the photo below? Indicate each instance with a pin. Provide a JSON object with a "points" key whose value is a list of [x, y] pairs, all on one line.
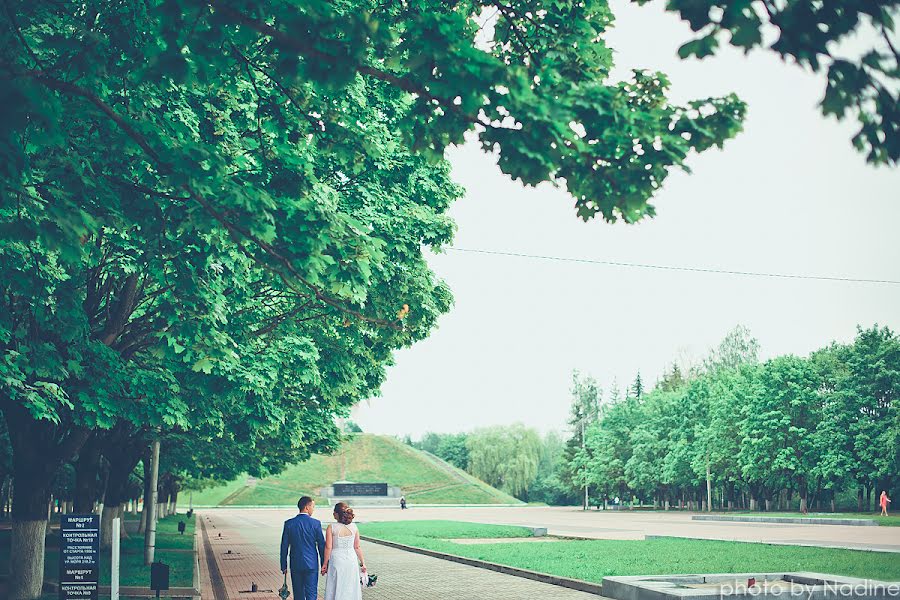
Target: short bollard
{"points": [[159, 577]]}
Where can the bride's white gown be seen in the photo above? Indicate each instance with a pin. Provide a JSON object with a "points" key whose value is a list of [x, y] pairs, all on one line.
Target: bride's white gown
{"points": [[343, 567]]}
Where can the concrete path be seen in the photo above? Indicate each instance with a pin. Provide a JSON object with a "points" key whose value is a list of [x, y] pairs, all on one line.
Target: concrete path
{"points": [[253, 538], [626, 525]]}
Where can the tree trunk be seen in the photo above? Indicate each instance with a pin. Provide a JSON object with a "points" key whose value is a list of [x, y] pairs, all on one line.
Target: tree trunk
{"points": [[38, 449], [29, 528], [122, 461], [142, 523], [708, 487], [142, 527], [4, 496], [122, 533], [26, 563], [150, 537], [87, 468]]}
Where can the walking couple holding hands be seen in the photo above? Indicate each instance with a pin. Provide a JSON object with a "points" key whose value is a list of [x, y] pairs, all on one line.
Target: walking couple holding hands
{"points": [[336, 554]]}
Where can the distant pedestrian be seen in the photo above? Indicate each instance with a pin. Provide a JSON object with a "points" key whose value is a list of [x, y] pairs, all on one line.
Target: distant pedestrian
{"points": [[402, 502], [181, 527], [883, 502]]}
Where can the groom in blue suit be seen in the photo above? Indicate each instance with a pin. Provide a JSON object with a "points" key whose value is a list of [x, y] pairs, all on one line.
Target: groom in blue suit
{"points": [[302, 536]]}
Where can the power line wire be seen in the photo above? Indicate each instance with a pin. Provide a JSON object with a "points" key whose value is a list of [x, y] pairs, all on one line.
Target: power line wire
{"points": [[614, 263]]}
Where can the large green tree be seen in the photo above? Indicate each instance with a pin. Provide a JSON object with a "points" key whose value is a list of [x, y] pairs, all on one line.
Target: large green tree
{"points": [[127, 308], [583, 413], [505, 457]]}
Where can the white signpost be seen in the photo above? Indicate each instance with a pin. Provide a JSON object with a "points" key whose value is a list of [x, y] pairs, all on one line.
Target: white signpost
{"points": [[114, 578]]}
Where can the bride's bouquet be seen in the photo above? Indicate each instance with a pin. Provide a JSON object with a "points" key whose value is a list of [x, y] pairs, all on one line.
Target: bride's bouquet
{"points": [[367, 580]]}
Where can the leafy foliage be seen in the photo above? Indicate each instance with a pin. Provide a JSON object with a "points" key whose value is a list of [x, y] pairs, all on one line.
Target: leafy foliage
{"points": [[450, 447], [505, 457], [790, 425], [818, 36]]}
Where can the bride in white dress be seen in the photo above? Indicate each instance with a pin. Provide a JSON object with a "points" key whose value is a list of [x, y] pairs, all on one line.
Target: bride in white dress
{"points": [[343, 557]]}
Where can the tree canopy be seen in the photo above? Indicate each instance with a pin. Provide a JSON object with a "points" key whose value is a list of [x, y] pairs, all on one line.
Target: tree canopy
{"points": [[854, 42], [505, 457], [761, 432]]}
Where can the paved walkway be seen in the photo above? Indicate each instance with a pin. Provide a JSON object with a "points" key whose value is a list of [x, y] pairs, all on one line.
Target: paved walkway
{"points": [[635, 525], [253, 538]]}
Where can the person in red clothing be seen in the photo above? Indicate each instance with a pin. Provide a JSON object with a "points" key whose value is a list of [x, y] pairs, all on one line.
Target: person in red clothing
{"points": [[884, 501]]}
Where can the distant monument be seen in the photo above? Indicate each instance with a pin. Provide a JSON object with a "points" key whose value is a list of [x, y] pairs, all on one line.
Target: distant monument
{"points": [[361, 494]]}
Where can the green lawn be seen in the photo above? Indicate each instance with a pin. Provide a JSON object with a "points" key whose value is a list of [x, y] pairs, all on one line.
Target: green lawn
{"points": [[365, 458], [592, 560], [168, 544], [414, 531], [132, 571]]}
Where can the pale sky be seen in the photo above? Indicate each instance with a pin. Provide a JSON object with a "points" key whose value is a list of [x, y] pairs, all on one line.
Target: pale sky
{"points": [[788, 195]]}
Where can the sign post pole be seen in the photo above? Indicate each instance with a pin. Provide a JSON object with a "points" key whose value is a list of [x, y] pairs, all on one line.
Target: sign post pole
{"points": [[114, 575]]}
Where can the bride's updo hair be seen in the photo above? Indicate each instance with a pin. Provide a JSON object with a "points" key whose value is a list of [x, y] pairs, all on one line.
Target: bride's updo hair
{"points": [[343, 513]]}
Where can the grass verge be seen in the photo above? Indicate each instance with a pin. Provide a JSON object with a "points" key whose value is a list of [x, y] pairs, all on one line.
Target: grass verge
{"points": [[591, 560]]}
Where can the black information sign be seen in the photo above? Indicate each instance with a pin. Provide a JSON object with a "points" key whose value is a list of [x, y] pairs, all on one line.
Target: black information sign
{"points": [[360, 489], [79, 557]]}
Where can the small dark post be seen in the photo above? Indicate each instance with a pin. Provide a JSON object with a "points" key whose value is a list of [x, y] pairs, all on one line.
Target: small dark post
{"points": [[159, 577]]}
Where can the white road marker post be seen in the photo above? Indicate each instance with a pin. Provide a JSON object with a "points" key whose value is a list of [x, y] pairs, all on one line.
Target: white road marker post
{"points": [[114, 576]]}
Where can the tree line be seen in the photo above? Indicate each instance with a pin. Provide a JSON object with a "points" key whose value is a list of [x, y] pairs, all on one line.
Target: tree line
{"points": [[787, 433], [821, 432], [513, 458]]}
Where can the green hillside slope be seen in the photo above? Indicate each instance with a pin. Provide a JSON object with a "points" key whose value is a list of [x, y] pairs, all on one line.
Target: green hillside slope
{"points": [[424, 478]]}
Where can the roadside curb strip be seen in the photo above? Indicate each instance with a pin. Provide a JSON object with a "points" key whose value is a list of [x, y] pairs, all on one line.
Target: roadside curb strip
{"points": [[770, 543], [574, 584], [797, 520], [197, 582]]}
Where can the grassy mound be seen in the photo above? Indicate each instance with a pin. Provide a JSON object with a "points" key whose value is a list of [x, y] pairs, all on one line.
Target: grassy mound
{"points": [[423, 478]]}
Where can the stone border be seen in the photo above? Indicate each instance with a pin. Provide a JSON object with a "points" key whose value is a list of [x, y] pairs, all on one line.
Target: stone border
{"points": [[197, 583], [216, 582], [770, 543], [797, 520], [574, 584]]}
